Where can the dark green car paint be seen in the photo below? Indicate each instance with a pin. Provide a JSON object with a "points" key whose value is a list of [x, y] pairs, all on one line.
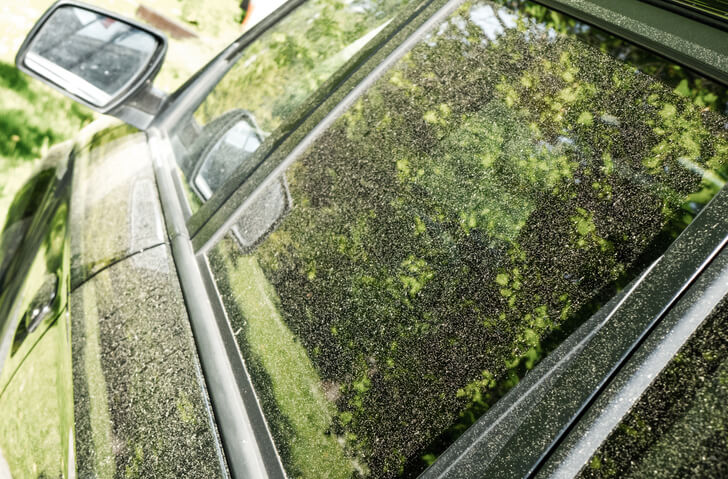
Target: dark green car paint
{"points": [[35, 390], [115, 388]]}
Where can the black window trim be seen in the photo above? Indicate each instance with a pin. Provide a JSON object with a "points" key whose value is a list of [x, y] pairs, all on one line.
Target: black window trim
{"points": [[687, 316]]}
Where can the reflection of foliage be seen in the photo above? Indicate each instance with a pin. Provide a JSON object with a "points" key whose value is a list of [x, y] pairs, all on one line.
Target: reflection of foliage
{"points": [[499, 183], [209, 18], [291, 395], [281, 69], [31, 430], [703, 92]]}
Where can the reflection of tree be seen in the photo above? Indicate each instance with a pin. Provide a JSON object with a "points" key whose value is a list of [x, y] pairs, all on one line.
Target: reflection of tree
{"points": [[499, 183], [281, 69], [687, 83], [19, 216]]}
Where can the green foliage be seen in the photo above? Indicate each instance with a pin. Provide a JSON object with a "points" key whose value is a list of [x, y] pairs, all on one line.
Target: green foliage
{"points": [[278, 72], [31, 116], [210, 18]]}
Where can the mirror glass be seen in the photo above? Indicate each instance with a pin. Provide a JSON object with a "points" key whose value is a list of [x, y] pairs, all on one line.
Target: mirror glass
{"points": [[226, 155], [88, 54]]}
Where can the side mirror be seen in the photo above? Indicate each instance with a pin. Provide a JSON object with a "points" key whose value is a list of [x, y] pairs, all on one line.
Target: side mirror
{"points": [[230, 147], [95, 57]]}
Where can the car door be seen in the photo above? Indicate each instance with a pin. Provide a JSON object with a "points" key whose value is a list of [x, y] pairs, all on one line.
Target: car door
{"points": [[36, 433], [453, 222]]}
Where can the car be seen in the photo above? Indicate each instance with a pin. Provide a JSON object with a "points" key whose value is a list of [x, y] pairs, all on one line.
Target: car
{"points": [[377, 238]]}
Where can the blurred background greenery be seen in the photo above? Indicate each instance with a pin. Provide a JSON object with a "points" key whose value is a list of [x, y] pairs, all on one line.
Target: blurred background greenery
{"points": [[33, 117]]}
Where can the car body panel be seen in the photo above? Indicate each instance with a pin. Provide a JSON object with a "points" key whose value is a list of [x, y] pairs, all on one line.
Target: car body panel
{"points": [[34, 242], [36, 431], [139, 397], [115, 207], [125, 395], [146, 342]]}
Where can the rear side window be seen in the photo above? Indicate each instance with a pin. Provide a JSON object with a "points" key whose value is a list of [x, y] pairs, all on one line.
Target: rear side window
{"points": [[497, 185]]}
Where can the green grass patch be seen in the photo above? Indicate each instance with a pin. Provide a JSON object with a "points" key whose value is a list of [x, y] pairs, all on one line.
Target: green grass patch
{"points": [[32, 118], [295, 383]]}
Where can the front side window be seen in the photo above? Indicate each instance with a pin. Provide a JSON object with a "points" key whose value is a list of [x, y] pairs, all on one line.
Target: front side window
{"points": [[273, 78], [501, 182]]}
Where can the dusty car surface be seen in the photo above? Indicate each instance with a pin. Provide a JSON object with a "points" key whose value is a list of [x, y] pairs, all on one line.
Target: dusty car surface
{"points": [[377, 238]]}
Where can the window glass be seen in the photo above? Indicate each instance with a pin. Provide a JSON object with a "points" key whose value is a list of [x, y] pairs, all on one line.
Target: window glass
{"points": [[489, 192], [88, 54], [715, 8], [279, 71]]}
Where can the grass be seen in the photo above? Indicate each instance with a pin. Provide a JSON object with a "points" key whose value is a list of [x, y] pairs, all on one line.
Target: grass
{"points": [[32, 118], [31, 415]]}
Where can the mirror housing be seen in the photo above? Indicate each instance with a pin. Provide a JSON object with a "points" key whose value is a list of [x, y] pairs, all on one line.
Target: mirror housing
{"points": [[97, 58]]}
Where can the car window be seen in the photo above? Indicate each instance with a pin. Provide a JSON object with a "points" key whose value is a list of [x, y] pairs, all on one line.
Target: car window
{"points": [[713, 8], [274, 77], [495, 187]]}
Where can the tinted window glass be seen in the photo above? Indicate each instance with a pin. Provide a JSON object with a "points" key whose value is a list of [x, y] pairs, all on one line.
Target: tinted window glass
{"points": [[501, 181], [279, 71], [715, 8]]}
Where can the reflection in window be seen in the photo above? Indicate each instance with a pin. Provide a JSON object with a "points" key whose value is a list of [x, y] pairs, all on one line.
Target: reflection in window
{"points": [[715, 8], [226, 154], [90, 55], [497, 185], [278, 72]]}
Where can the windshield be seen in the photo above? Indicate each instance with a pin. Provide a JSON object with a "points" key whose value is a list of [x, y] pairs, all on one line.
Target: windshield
{"points": [[497, 185]]}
